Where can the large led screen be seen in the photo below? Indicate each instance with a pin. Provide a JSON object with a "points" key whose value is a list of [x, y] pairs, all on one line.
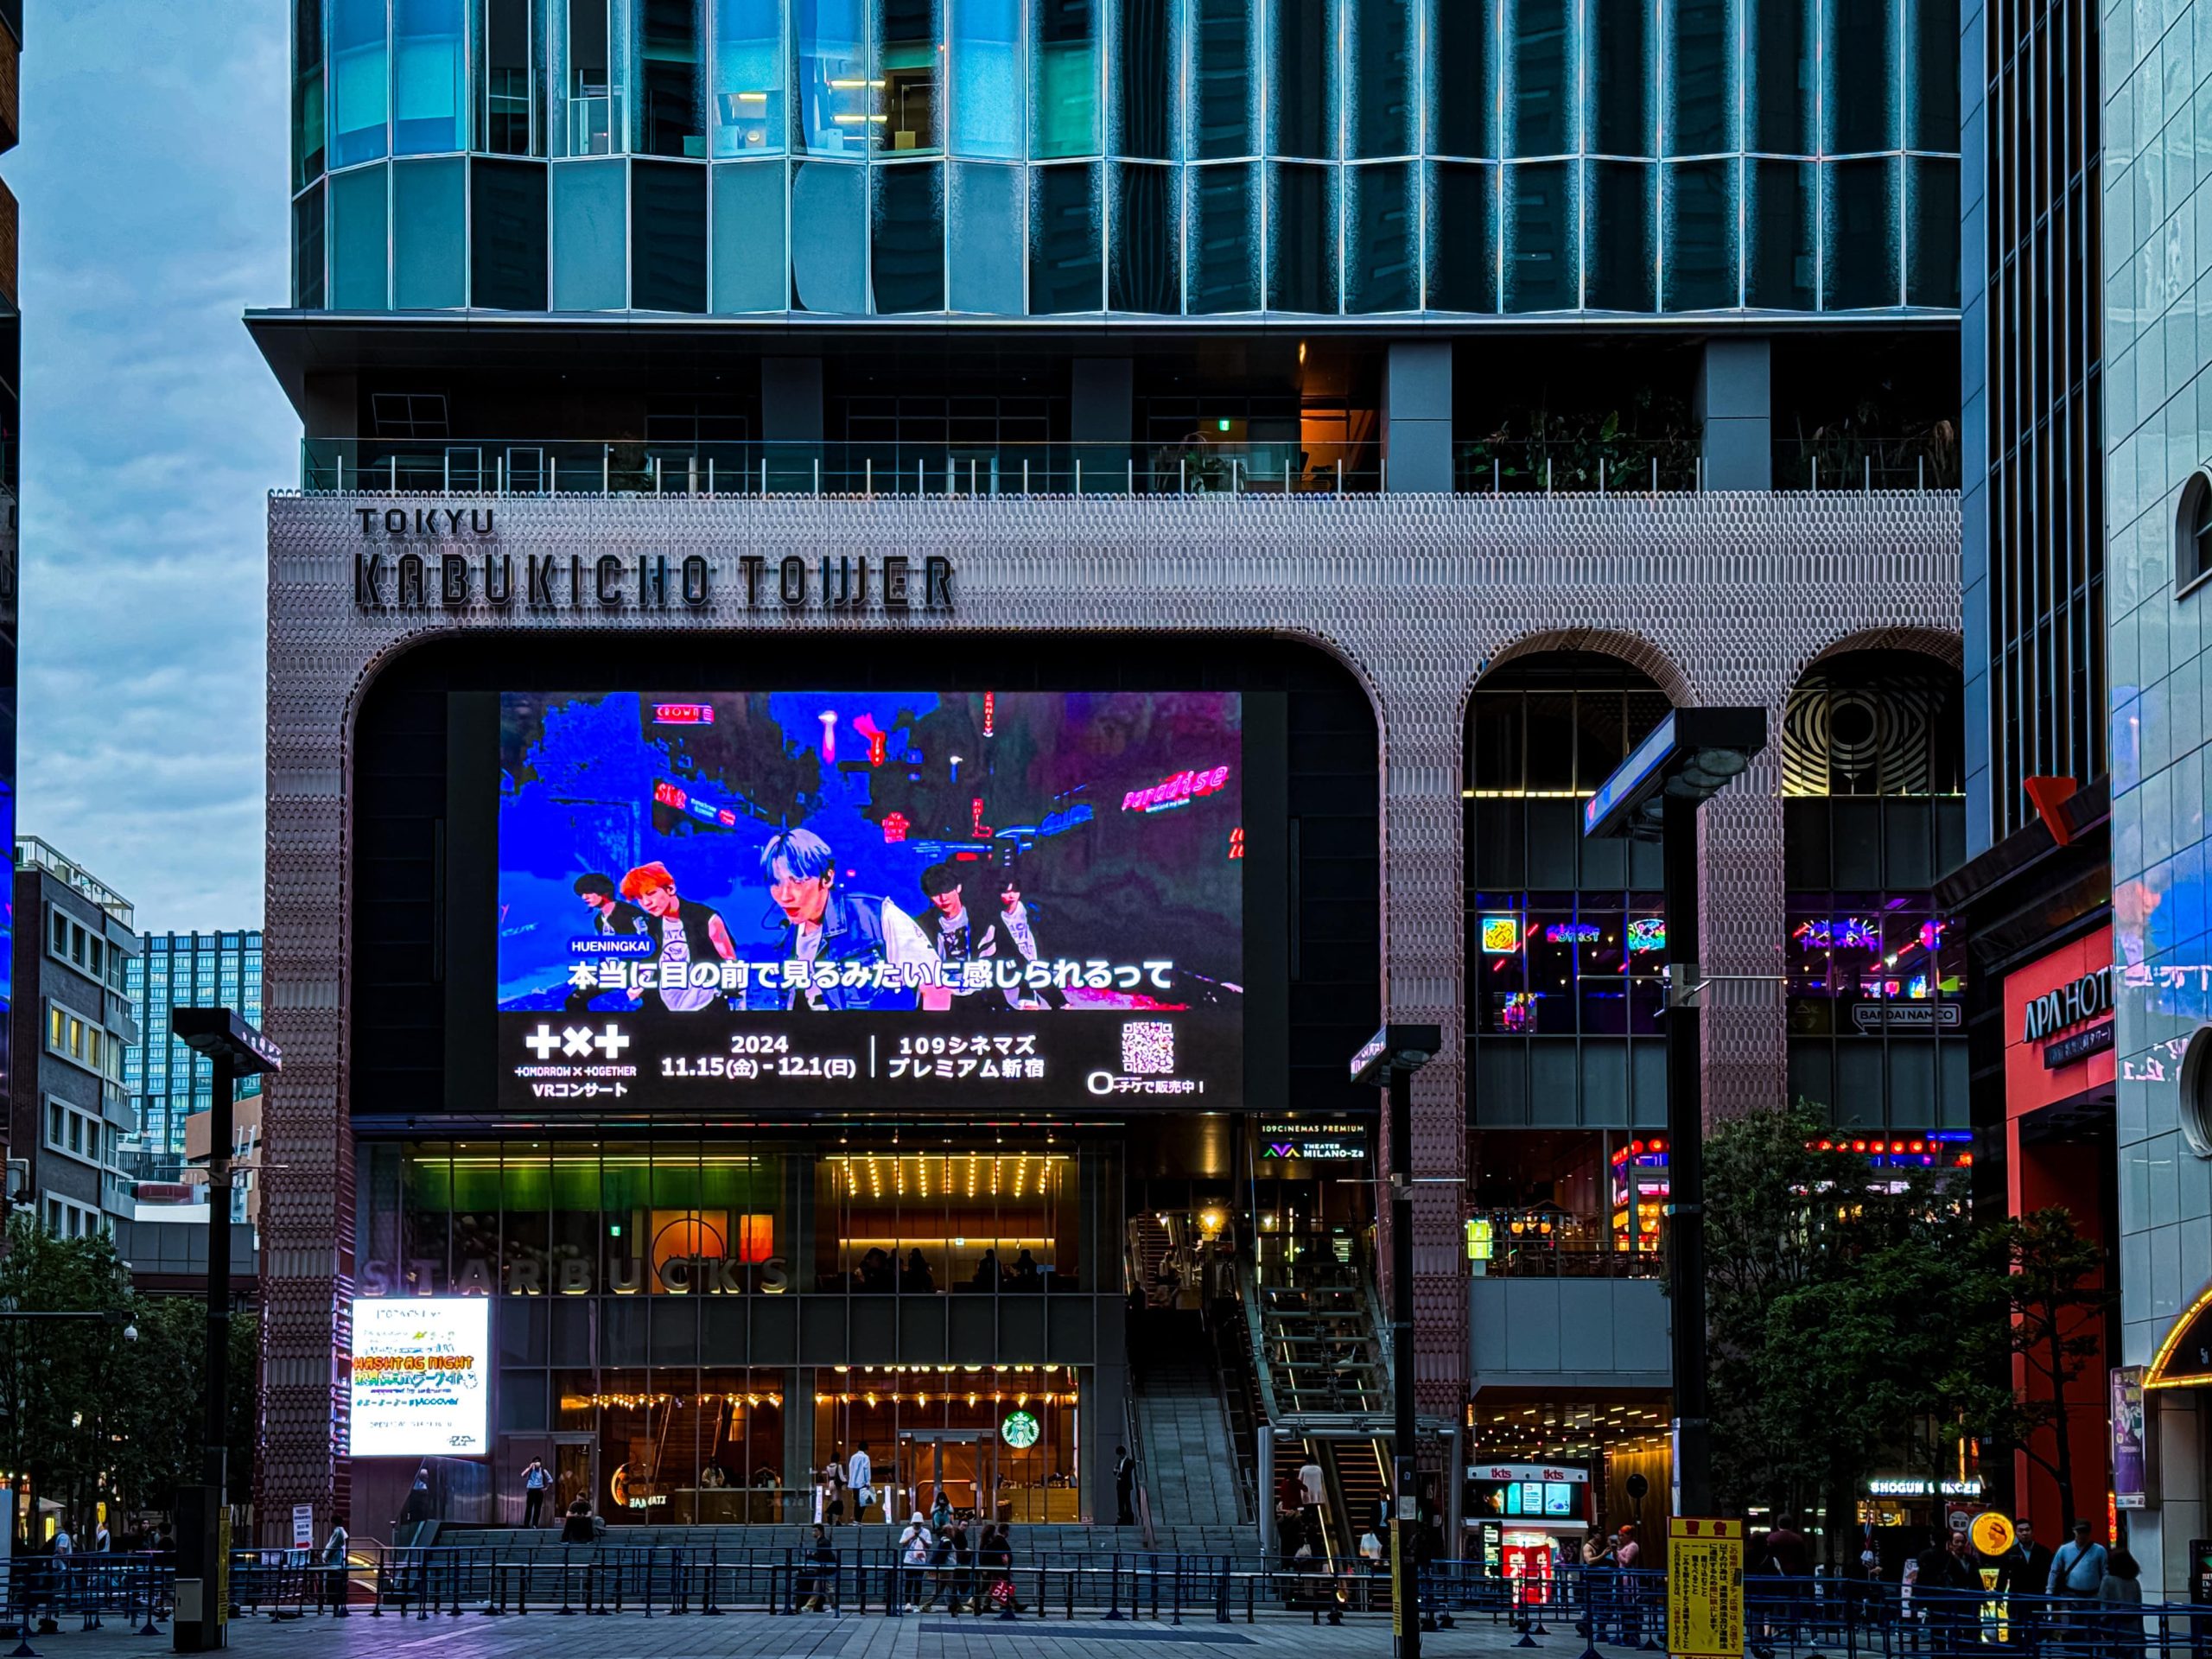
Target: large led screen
{"points": [[1007, 902], [421, 1371]]}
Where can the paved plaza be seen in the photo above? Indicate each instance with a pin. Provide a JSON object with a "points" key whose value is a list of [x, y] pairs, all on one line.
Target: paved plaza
{"points": [[759, 1636]]}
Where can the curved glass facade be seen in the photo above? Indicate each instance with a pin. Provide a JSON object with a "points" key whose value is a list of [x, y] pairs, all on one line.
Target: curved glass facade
{"points": [[1146, 157]]}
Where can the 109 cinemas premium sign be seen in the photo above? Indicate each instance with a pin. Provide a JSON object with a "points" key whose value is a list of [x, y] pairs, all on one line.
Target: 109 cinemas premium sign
{"points": [[446, 564]]}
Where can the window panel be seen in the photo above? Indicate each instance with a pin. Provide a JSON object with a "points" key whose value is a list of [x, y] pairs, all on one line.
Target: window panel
{"points": [[1622, 210], [1066, 85], [590, 236], [428, 235], [1380, 275], [509, 67], [1932, 109], [357, 78], [986, 70], [1541, 112], [1700, 236], [1462, 100], [1932, 231], [1302, 275], [983, 230], [1300, 108], [1224, 240], [833, 91], [1860, 111], [1063, 228], [308, 291], [748, 92], [668, 237], [1380, 90], [1862, 234], [1144, 77], [827, 221], [909, 238], [430, 92], [1780, 262], [1463, 238], [1780, 64], [307, 92], [906, 77], [749, 238], [591, 89], [1620, 82], [671, 81], [1540, 263], [359, 214], [1228, 88], [508, 253], [1146, 272]]}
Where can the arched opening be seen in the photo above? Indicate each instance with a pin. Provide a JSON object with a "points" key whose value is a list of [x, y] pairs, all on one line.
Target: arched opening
{"points": [[1565, 945], [1873, 778], [2193, 532]]}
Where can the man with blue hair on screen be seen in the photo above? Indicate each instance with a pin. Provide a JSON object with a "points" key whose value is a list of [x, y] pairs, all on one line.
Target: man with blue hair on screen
{"points": [[823, 924]]}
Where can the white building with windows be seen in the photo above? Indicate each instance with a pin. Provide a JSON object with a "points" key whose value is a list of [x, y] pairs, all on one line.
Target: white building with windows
{"points": [[74, 1023]]}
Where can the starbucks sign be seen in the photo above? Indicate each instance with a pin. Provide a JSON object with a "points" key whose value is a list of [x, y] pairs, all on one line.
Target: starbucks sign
{"points": [[1020, 1430]]}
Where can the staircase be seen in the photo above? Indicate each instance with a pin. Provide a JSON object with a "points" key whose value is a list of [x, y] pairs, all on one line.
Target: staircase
{"points": [[1187, 1453]]}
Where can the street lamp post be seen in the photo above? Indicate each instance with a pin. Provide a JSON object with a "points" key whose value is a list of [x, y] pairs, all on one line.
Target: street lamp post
{"points": [[1391, 1057], [234, 1049], [1655, 795]]}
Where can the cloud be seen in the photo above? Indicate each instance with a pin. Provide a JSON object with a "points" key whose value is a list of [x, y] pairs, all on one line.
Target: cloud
{"points": [[154, 214]]}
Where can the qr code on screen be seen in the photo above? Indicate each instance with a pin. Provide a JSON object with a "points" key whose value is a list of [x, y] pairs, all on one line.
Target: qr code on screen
{"points": [[1148, 1048]]}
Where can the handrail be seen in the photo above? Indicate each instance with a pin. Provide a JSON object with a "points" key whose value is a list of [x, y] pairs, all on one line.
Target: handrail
{"points": [[1247, 1292]]}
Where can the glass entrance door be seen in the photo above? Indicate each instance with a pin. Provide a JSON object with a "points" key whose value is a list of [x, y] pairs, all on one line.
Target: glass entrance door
{"points": [[576, 1473], [963, 1465]]}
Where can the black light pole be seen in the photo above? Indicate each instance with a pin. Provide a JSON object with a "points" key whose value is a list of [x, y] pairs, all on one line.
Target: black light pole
{"points": [[1655, 795], [1392, 1056], [234, 1049]]}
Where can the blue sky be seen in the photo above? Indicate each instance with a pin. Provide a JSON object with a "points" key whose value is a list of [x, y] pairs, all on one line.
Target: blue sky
{"points": [[152, 181]]}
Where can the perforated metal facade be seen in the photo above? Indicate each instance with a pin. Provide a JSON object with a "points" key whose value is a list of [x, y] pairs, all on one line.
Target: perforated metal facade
{"points": [[1719, 597]]}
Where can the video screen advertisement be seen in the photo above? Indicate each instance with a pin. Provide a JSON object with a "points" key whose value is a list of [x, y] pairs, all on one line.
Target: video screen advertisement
{"points": [[1001, 902]]}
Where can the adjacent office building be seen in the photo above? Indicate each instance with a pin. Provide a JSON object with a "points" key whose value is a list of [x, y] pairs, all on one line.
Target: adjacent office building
{"points": [[1252, 469], [73, 1024], [166, 1082], [2158, 509], [11, 46], [2035, 899]]}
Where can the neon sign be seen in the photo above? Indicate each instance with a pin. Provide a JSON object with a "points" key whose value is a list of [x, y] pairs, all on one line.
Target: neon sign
{"points": [[1180, 790], [1501, 935], [1838, 933], [683, 713], [1572, 933], [1647, 933], [895, 826], [676, 798]]}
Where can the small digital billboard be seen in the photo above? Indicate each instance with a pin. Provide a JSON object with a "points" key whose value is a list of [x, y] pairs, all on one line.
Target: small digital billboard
{"points": [[796, 900], [422, 1377]]}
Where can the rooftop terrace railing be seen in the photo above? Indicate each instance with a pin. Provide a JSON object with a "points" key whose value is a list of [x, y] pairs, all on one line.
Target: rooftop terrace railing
{"points": [[629, 467]]}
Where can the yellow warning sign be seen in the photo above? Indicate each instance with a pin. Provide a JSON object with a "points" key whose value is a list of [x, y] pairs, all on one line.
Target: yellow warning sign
{"points": [[1705, 1588], [1991, 1533]]}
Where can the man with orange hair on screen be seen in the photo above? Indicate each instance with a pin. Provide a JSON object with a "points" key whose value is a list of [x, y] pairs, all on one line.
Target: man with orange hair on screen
{"points": [[686, 933]]}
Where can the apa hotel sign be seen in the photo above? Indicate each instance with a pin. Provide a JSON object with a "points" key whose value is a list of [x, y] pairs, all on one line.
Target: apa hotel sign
{"points": [[420, 559]]}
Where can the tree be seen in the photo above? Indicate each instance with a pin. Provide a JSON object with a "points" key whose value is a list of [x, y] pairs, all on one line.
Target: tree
{"points": [[2055, 1300], [1848, 1317], [92, 1416]]}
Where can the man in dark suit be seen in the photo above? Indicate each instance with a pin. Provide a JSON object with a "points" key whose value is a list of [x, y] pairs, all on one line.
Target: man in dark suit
{"points": [[2024, 1569]]}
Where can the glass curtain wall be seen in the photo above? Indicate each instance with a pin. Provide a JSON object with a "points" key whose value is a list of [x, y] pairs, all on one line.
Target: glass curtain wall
{"points": [[1214, 156]]}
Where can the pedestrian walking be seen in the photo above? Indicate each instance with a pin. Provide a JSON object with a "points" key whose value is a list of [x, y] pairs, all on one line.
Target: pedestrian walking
{"points": [[942, 1576], [860, 1477], [535, 1479], [2077, 1573], [821, 1578], [1125, 1487], [333, 1563], [1944, 1589]]}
